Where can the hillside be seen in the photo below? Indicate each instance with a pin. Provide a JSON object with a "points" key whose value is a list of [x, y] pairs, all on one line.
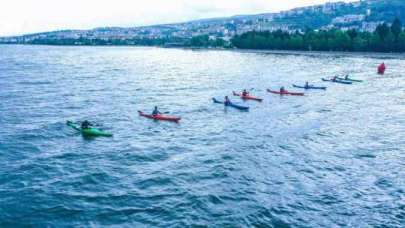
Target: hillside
{"points": [[364, 15]]}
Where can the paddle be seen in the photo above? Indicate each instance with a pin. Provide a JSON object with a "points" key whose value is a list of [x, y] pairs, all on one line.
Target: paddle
{"points": [[240, 94], [217, 101], [167, 112], [80, 122]]}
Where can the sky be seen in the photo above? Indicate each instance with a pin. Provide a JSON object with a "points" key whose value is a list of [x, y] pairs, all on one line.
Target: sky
{"points": [[28, 16]]}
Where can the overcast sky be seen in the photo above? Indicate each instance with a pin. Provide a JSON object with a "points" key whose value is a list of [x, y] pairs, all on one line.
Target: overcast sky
{"points": [[28, 16]]}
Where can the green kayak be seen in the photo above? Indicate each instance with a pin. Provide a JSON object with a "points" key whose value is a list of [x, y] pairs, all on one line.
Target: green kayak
{"points": [[88, 131]]}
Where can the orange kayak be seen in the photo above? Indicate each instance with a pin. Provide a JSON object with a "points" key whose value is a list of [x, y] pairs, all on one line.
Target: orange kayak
{"points": [[248, 97], [285, 93], [160, 117]]}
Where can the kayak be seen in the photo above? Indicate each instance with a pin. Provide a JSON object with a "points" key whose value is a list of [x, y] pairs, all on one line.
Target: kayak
{"points": [[240, 107], [350, 80], [309, 87], [337, 81], [248, 97], [285, 93], [160, 117], [88, 131]]}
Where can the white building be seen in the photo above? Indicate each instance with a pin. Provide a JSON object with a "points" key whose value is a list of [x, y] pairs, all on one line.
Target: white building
{"points": [[348, 19]]}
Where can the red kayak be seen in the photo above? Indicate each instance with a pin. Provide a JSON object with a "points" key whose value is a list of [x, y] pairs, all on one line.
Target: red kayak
{"points": [[248, 97], [285, 93], [160, 117]]}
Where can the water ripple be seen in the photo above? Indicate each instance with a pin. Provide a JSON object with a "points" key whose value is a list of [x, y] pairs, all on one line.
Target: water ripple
{"points": [[329, 159]]}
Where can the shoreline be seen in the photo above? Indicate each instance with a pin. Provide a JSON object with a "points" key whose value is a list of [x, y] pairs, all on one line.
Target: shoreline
{"points": [[382, 55]]}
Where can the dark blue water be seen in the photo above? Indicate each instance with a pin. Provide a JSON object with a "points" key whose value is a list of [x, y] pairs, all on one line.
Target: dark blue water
{"points": [[334, 158]]}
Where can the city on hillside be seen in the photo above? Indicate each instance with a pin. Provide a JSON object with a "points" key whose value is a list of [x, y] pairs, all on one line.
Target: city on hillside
{"points": [[363, 16]]}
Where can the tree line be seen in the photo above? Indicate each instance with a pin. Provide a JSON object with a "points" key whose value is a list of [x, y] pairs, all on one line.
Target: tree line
{"points": [[386, 38], [202, 41]]}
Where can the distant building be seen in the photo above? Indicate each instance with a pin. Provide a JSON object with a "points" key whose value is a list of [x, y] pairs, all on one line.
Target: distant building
{"points": [[348, 19], [370, 26]]}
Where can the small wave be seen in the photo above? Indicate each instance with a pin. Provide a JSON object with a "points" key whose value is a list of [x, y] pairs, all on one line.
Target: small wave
{"points": [[35, 83]]}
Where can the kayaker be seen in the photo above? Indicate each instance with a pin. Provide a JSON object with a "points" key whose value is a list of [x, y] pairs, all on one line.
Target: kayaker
{"points": [[381, 68], [282, 89], [306, 85], [245, 93], [86, 124], [155, 111], [347, 77], [227, 101], [334, 79]]}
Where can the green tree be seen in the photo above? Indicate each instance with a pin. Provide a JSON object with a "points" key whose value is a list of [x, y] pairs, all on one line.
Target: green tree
{"points": [[219, 43], [396, 28], [401, 42], [352, 33], [382, 30], [199, 41], [381, 40]]}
